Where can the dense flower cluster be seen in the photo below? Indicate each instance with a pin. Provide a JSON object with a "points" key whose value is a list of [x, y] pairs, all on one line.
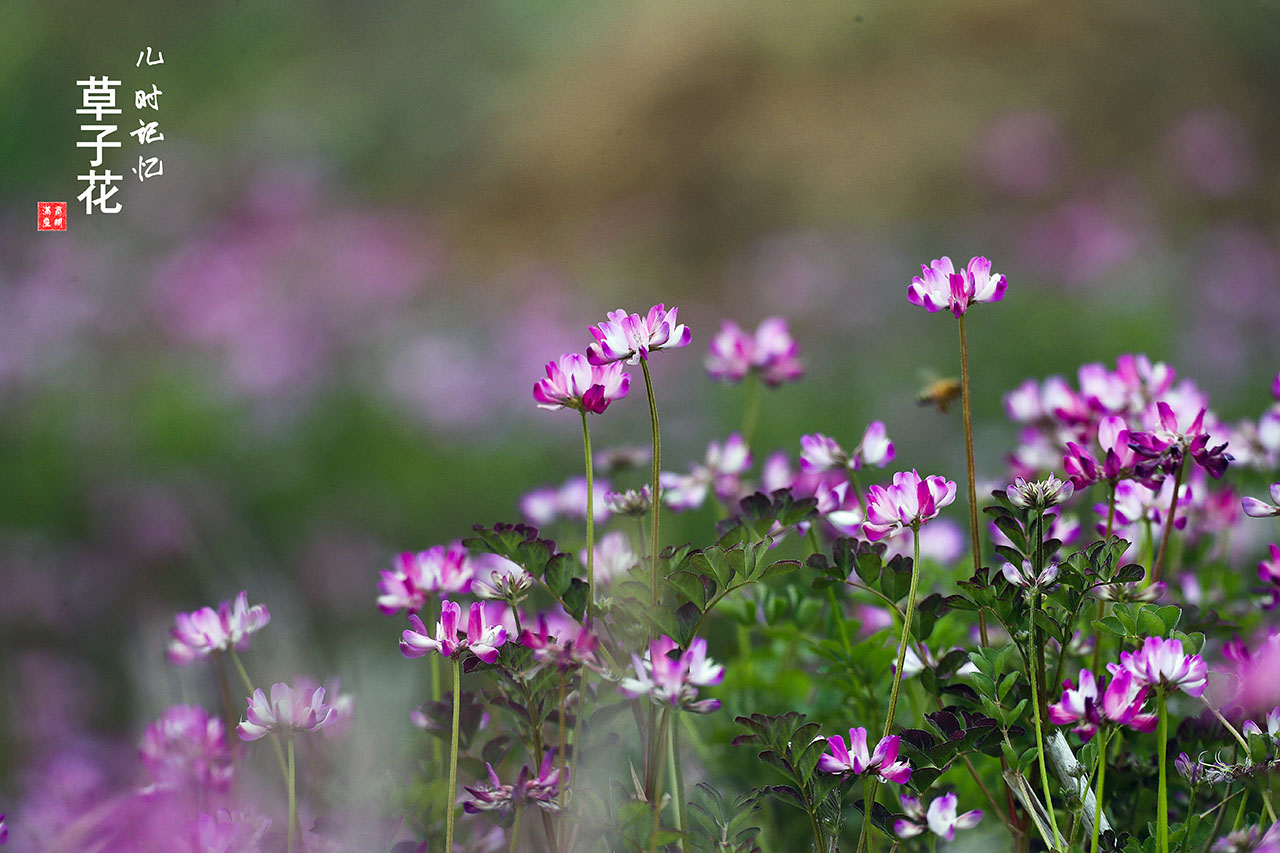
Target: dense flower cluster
{"points": [[630, 337], [771, 353], [483, 637], [909, 502], [939, 286], [674, 680], [940, 819]]}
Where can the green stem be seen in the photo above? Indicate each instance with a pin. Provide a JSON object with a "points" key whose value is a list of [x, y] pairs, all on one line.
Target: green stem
{"points": [[293, 798], [1168, 523], [751, 408], [655, 486], [868, 800], [248, 685], [453, 753], [906, 629], [591, 521], [656, 800], [819, 842], [1097, 796], [515, 832], [1035, 708], [1162, 793], [974, 543], [229, 716], [564, 751], [1102, 605], [677, 774], [433, 616]]}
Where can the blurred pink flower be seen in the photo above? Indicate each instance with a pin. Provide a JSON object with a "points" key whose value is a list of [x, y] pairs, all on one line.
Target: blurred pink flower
{"points": [[630, 337], [1163, 663], [288, 712], [771, 353], [204, 631], [187, 748]]}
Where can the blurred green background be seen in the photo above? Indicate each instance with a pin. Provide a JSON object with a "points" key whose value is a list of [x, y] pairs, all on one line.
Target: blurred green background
{"points": [[311, 342]]}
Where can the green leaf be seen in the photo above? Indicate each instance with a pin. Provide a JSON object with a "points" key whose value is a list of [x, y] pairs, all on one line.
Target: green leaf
{"points": [[780, 567], [690, 587], [1170, 615], [559, 574], [1110, 624], [575, 598], [1006, 684]]}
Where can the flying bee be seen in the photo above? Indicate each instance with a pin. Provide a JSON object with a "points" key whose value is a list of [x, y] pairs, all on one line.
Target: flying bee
{"points": [[939, 392]]}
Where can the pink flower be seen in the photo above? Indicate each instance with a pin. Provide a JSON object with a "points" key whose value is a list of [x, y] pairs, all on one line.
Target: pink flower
{"points": [[483, 639], [722, 469], [542, 790], [939, 286], [855, 759], [1162, 662], [771, 353], [630, 337], [187, 747], [1255, 508], [674, 681], [230, 832], [562, 642], [439, 570], [288, 712], [941, 818], [204, 631], [819, 453], [1269, 572], [1121, 703], [909, 502], [575, 383]]}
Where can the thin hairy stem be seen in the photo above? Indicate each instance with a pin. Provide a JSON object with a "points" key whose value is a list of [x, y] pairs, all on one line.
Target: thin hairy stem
{"points": [[591, 520], [1035, 708], [1162, 793], [293, 797], [1097, 796], [453, 754], [974, 542], [655, 486], [1169, 519]]}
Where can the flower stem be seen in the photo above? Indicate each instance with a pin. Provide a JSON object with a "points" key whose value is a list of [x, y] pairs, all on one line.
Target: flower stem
{"points": [[248, 685], [906, 629], [655, 486], [1102, 605], [656, 796], [453, 753], [677, 773], [868, 801], [515, 832], [564, 751], [1097, 796], [591, 521], [974, 544], [1035, 708], [1162, 794], [293, 797], [1168, 523], [751, 408]]}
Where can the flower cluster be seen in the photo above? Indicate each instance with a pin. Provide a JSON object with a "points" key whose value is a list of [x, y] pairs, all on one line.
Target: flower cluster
{"points": [[1087, 705], [721, 471], [200, 633], [674, 680], [854, 759], [771, 353], [483, 638], [441, 570], [940, 819], [630, 337], [542, 790], [939, 286], [819, 453], [187, 748], [289, 712], [909, 502], [573, 382]]}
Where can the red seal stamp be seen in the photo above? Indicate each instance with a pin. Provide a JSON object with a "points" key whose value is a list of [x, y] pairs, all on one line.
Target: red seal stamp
{"points": [[51, 216]]}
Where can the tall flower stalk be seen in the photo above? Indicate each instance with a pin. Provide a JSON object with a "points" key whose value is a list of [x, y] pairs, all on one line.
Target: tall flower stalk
{"points": [[591, 520], [1162, 794], [1032, 656], [975, 544], [453, 753]]}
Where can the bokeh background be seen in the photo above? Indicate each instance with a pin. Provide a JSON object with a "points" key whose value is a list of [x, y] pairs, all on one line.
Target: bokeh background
{"points": [[310, 344]]}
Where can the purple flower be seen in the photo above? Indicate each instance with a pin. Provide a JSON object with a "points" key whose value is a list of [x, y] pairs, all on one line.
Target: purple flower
{"points": [[630, 337], [819, 453], [722, 469], [204, 631], [289, 712], [613, 556], [562, 642], [771, 353], [1162, 662], [631, 502], [674, 680], [1251, 840], [1255, 508], [939, 286], [1269, 572], [909, 502], [941, 819], [542, 790], [1025, 576], [855, 759], [1121, 703], [437, 571], [499, 579], [1165, 447], [187, 748], [546, 505], [230, 832], [4, 830], [483, 639], [1042, 493], [575, 383]]}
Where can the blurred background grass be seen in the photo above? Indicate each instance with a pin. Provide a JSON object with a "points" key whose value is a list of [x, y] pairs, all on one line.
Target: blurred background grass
{"points": [[311, 342]]}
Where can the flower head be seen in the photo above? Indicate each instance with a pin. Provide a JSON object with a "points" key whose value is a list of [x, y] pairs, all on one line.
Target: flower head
{"points": [[561, 642], [941, 818], [187, 747], [204, 631], [413, 577], [1255, 508], [1025, 577], [939, 286], [1040, 494], [770, 353], [542, 790], [909, 502], [674, 680], [631, 502], [722, 470], [1162, 662], [575, 383], [630, 337], [229, 832], [483, 638], [856, 760], [287, 713], [499, 579], [1121, 703]]}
